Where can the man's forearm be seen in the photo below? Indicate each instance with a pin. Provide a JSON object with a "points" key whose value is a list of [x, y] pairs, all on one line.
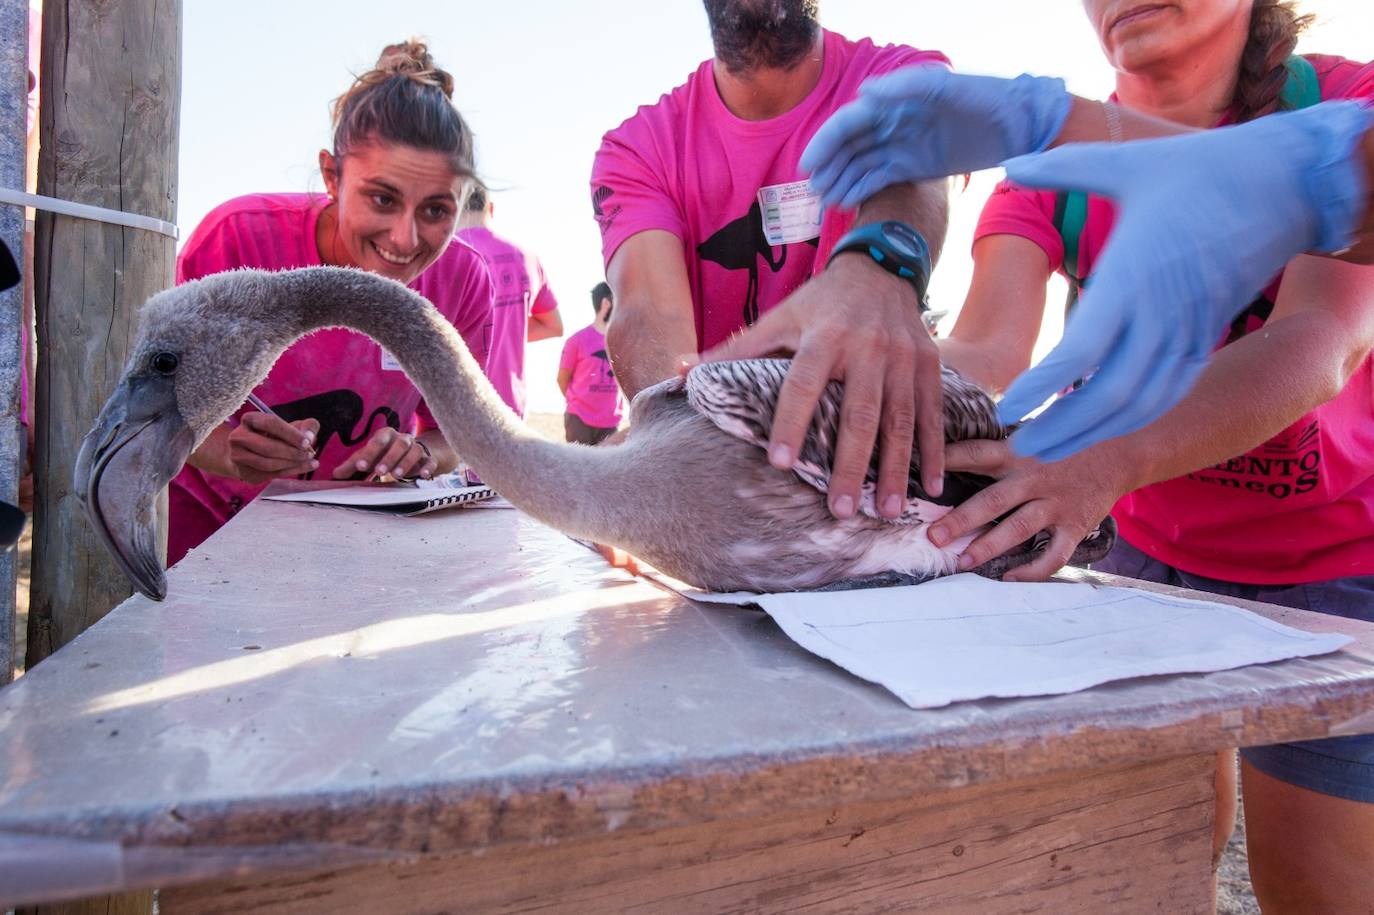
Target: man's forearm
{"points": [[654, 324], [924, 207], [645, 352]]}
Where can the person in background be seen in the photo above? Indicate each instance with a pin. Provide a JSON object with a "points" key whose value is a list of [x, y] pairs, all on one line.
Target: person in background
{"points": [[396, 180], [1259, 483], [595, 403], [523, 307], [709, 226]]}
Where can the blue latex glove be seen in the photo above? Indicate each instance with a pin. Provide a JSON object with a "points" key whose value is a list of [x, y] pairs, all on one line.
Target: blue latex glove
{"points": [[1205, 222], [923, 123]]}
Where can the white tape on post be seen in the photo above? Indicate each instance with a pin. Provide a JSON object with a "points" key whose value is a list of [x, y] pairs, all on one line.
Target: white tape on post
{"points": [[86, 211]]}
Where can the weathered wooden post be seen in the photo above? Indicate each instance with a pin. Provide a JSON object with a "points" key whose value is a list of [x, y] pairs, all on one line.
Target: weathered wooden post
{"points": [[108, 128], [14, 90]]}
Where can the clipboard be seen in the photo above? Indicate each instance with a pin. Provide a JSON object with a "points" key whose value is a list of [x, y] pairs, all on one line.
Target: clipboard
{"points": [[405, 499]]}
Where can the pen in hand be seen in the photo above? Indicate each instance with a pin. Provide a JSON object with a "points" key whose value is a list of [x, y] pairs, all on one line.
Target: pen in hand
{"points": [[257, 403]]}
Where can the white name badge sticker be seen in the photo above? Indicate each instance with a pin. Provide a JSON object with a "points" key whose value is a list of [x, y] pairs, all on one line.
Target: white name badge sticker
{"points": [[389, 363], [791, 212]]}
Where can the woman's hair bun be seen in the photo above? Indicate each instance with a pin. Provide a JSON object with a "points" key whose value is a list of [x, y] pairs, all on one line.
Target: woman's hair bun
{"points": [[407, 99], [411, 58]]}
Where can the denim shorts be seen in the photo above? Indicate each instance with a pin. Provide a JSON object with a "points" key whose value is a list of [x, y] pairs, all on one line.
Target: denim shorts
{"points": [[1339, 766]]}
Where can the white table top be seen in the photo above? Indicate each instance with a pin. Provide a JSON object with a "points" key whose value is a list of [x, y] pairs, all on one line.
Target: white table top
{"points": [[325, 685]]}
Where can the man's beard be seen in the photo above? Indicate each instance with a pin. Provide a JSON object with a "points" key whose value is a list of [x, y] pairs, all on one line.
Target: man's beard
{"points": [[754, 34]]}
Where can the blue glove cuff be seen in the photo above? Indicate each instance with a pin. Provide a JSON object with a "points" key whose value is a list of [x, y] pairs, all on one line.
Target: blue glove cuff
{"points": [[1047, 102], [1336, 183]]}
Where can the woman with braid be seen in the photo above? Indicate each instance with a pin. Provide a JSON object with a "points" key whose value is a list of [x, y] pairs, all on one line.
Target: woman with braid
{"points": [[396, 181], [1260, 482]]}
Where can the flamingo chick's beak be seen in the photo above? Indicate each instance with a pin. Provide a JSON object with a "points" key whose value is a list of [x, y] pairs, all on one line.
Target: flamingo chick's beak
{"points": [[139, 442]]}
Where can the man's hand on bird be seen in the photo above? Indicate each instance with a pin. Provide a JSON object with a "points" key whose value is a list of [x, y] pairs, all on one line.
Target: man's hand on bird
{"points": [[1067, 498], [388, 451], [264, 447], [926, 123], [858, 324]]}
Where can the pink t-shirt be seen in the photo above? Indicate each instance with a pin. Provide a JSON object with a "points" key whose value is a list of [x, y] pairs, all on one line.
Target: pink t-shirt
{"points": [[520, 291], [593, 394], [339, 377], [1298, 508], [688, 166]]}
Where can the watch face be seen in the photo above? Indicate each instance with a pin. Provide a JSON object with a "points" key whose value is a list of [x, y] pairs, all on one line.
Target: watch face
{"points": [[901, 238]]}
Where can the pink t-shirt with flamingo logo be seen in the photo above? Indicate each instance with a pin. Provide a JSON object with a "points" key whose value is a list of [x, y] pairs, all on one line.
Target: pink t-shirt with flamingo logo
{"points": [[593, 394], [731, 189], [1300, 507], [339, 377]]}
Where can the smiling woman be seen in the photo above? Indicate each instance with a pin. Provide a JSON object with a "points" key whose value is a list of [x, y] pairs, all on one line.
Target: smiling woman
{"points": [[341, 407], [398, 209], [410, 166]]}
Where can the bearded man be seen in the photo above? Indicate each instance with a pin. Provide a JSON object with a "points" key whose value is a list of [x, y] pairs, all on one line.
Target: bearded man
{"points": [[709, 226]]}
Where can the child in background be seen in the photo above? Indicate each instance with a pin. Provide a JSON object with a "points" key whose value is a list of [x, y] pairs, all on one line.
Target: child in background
{"points": [[595, 403]]}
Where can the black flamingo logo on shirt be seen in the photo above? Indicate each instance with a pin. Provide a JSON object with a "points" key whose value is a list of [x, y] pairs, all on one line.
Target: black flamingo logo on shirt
{"points": [[604, 215], [606, 364], [599, 197], [339, 413], [738, 246]]}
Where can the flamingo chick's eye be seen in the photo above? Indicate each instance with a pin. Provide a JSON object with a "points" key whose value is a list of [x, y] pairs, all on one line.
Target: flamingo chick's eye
{"points": [[164, 363]]}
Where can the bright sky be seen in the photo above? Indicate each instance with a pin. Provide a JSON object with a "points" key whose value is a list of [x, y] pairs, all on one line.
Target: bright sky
{"points": [[541, 80]]}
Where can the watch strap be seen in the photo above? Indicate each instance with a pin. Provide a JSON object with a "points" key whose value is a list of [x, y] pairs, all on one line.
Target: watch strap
{"points": [[880, 241]]}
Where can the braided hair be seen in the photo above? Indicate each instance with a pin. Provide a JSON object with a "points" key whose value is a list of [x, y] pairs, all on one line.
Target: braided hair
{"points": [[1274, 29]]}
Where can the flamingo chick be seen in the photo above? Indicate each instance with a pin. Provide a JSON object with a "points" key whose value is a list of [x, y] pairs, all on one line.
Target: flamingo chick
{"points": [[689, 489]]}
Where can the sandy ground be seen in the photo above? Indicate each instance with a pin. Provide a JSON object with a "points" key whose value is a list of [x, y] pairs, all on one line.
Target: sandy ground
{"points": [[549, 425], [1233, 880]]}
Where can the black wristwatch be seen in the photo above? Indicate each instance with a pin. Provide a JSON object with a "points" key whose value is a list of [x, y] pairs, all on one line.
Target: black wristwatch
{"points": [[897, 248]]}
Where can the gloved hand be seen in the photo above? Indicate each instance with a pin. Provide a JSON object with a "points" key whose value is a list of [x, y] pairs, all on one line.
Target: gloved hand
{"points": [[1205, 221], [922, 123]]}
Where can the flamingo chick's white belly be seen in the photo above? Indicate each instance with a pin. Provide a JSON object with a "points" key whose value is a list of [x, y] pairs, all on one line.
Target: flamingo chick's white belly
{"points": [[863, 547], [905, 548]]}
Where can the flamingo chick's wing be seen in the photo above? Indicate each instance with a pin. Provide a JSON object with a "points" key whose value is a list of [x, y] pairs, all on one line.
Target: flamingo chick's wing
{"points": [[740, 396]]}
